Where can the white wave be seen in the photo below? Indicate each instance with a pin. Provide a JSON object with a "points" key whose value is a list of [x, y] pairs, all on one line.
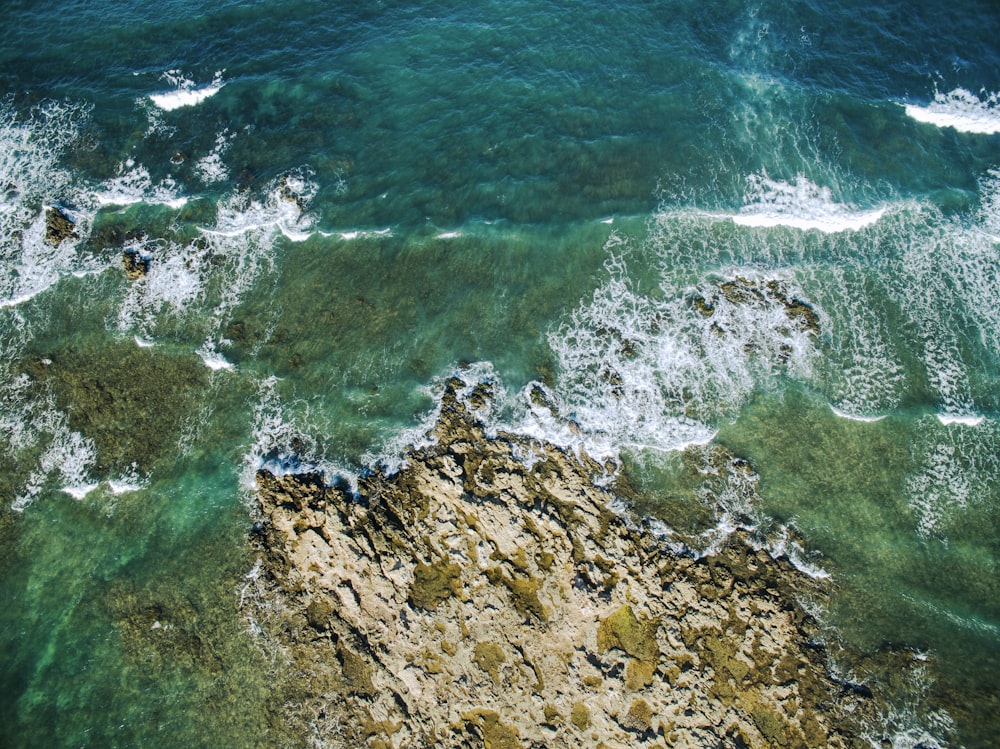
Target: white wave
{"points": [[448, 235], [185, 92], [80, 491], [353, 234], [800, 205], [212, 359], [855, 417], [123, 487], [971, 421], [962, 110]]}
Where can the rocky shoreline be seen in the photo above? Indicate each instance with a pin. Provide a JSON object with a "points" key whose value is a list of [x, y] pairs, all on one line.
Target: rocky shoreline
{"points": [[478, 599]]}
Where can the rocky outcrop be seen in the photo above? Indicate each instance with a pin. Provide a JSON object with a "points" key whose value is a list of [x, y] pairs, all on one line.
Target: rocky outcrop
{"points": [[58, 226], [136, 264], [478, 599]]}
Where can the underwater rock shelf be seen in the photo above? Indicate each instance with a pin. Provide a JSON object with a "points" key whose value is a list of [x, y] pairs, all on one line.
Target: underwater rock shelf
{"points": [[473, 599]]}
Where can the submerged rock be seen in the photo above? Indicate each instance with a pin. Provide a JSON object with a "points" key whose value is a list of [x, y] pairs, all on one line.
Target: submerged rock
{"points": [[58, 226], [471, 600], [770, 293]]}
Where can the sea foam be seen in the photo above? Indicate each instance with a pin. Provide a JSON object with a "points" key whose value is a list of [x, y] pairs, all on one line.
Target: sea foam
{"points": [[962, 110], [33, 182]]}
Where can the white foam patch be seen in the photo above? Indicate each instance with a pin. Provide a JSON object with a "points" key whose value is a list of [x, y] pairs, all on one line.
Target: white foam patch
{"points": [[67, 458], [32, 182], [39, 265], [277, 427], [207, 278], [800, 205], [185, 92], [962, 110], [134, 185], [172, 283], [958, 468], [653, 370], [211, 168]]}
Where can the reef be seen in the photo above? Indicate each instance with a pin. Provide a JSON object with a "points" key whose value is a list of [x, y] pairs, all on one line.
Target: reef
{"points": [[487, 595]]}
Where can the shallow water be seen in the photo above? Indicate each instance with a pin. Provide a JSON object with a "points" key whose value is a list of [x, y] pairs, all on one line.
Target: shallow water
{"points": [[775, 233]]}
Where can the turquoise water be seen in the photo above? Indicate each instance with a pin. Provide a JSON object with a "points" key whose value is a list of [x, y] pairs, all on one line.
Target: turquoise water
{"points": [[763, 227]]}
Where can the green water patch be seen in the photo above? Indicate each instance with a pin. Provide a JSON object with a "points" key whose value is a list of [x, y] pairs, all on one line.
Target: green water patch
{"points": [[356, 328], [123, 627], [130, 401], [687, 489], [847, 487]]}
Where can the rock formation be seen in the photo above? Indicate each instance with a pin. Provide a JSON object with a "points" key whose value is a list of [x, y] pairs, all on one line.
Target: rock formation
{"points": [[486, 596]]}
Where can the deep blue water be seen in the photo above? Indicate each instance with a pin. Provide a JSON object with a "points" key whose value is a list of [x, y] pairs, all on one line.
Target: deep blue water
{"points": [[341, 204]]}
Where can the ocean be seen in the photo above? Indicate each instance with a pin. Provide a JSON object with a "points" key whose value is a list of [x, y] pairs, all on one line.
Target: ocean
{"points": [[247, 233]]}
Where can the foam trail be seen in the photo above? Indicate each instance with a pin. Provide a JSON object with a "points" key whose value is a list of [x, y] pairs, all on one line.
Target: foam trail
{"points": [[960, 109], [958, 468], [864, 376]]}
